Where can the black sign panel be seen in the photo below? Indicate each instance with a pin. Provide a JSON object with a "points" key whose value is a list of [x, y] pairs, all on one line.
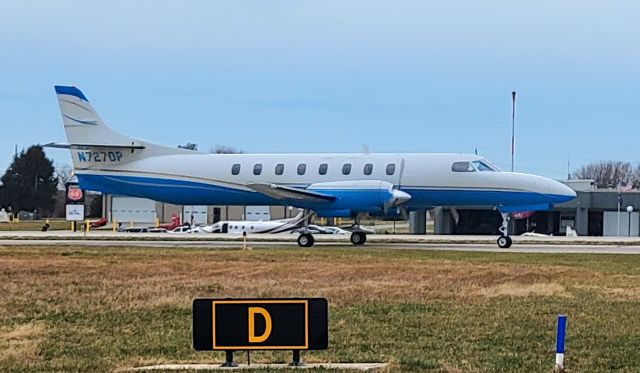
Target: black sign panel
{"points": [[74, 195], [260, 324]]}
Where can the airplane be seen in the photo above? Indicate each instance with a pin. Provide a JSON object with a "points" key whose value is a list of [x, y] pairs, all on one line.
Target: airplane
{"points": [[270, 226], [330, 185]]}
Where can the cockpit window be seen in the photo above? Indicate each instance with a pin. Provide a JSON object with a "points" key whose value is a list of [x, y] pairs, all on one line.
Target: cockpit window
{"points": [[462, 167], [483, 166]]}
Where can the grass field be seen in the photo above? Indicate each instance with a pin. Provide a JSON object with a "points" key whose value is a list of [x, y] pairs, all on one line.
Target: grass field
{"points": [[81, 309]]}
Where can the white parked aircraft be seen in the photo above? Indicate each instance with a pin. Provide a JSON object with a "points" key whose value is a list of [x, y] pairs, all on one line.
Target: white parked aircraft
{"points": [[339, 185], [270, 226]]}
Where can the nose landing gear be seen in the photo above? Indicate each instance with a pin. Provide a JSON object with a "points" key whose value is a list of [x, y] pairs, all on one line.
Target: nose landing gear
{"points": [[504, 241]]}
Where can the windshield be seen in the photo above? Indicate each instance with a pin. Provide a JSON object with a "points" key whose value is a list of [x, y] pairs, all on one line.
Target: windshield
{"points": [[483, 166]]}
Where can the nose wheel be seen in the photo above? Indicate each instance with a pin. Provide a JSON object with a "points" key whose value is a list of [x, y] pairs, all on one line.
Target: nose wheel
{"points": [[504, 241]]}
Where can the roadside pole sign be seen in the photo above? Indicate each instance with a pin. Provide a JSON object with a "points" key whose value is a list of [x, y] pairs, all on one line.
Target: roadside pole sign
{"points": [[260, 324], [74, 202], [75, 212]]}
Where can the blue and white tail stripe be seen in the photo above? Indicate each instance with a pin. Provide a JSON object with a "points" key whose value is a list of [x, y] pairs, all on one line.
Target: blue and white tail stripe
{"points": [[71, 91]]}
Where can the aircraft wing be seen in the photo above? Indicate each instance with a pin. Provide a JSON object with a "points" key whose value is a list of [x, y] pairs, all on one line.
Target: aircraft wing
{"points": [[283, 192]]}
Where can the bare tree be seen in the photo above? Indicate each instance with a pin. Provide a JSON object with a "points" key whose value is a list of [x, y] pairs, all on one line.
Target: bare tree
{"points": [[223, 149], [64, 173], [608, 174]]}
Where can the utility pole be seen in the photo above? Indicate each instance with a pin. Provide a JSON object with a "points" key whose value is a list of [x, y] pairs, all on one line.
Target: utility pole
{"points": [[513, 127]]}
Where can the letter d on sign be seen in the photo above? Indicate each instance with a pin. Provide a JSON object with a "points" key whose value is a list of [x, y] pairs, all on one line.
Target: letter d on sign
{"points": [[253, 338]]}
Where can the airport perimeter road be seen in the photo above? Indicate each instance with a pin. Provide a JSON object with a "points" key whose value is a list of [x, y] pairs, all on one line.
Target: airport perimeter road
{"points": [[480, 247]]}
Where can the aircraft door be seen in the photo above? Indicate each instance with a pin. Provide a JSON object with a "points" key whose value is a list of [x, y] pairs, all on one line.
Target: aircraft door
{"points": [[399, 183], [225, 228]]}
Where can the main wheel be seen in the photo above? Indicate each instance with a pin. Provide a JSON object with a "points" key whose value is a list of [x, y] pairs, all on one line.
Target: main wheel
{"points": [[504, 242], [358, 238], [305, 240]]}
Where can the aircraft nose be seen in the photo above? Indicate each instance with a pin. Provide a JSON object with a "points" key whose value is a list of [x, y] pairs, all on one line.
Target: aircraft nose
{"points": [[559, 192]]}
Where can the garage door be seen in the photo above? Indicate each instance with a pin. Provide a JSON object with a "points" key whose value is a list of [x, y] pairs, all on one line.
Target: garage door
{"points": [[138, 210], [195, 214], [258, 213]]}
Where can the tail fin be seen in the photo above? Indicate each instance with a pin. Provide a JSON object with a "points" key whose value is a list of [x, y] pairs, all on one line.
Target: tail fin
{"points": [[92, 141], [81, 122]]}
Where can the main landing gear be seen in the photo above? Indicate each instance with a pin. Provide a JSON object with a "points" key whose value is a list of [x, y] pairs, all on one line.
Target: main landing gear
{"points": [[358, 237], [504, 241], [306, 240]]}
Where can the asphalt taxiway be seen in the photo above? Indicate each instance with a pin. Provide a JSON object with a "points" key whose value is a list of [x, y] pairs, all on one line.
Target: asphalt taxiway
{"points": [[551, 245]]}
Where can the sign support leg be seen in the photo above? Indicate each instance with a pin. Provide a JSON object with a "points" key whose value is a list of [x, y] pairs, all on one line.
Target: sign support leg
{"points": [[296, 359], [228, 363]]}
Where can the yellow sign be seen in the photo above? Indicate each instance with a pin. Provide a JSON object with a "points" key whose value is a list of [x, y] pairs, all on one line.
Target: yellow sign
{"points": [[253, 338]]}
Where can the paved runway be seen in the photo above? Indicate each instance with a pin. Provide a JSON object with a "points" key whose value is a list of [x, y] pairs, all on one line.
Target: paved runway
{"points": [[480, 247]]}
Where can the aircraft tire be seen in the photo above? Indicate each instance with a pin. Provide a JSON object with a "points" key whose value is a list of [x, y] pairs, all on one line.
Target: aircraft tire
{"points": [[504, 242], [358, 238], [305, 240]]}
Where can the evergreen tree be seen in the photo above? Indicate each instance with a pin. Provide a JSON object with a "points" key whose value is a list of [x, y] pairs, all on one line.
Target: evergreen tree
{"points": [[29, 183]]}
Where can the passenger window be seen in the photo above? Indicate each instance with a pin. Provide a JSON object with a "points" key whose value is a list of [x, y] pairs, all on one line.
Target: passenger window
{"points": [[279, 168], [391, 169], [235, 169], [462, 167], [257, 169], [368, 168], [302, 168], [322, 170], [346, 169]]}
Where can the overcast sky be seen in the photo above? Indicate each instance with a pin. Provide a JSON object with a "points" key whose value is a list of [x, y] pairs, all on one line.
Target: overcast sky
{"points": [[330, 76]]}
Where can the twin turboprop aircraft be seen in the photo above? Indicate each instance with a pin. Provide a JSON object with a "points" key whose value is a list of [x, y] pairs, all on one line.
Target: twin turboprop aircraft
{"points": [[331, 185]]}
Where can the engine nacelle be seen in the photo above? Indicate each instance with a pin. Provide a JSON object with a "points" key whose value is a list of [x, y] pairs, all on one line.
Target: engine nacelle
{"points": [[356, 196]]}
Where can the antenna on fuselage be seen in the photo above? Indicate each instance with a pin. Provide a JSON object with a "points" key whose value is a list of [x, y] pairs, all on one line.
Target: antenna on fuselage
{"points": [[365, 149]]}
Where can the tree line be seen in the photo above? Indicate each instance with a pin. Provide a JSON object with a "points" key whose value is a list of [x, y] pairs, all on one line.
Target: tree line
{"points": [[610, 174]]}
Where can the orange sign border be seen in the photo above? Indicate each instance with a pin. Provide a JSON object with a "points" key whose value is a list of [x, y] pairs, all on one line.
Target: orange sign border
{"points": [[258, 302]]}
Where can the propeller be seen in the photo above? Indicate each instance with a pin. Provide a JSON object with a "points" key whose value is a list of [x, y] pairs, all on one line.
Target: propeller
{"points": [[398, 199]]}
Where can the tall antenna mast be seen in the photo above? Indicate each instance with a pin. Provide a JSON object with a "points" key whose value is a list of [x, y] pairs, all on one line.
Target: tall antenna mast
{"points": [[513, 127]]}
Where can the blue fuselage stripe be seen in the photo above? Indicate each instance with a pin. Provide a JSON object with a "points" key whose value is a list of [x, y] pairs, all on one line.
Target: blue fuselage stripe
{"points": [[183, 192]]}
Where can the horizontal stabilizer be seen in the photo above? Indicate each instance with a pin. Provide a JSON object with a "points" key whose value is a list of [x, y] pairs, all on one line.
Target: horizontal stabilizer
{"points": [[85, 146], [284, 192]]}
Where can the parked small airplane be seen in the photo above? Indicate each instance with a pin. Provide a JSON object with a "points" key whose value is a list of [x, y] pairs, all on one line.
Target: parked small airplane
{"points": [[331, 185], [175, 223], [270, 226]]}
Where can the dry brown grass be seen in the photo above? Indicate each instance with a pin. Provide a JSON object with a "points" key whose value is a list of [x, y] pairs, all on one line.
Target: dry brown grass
{"points": [[21, 342], [364, 289], [149, 280], [511, 289]]}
